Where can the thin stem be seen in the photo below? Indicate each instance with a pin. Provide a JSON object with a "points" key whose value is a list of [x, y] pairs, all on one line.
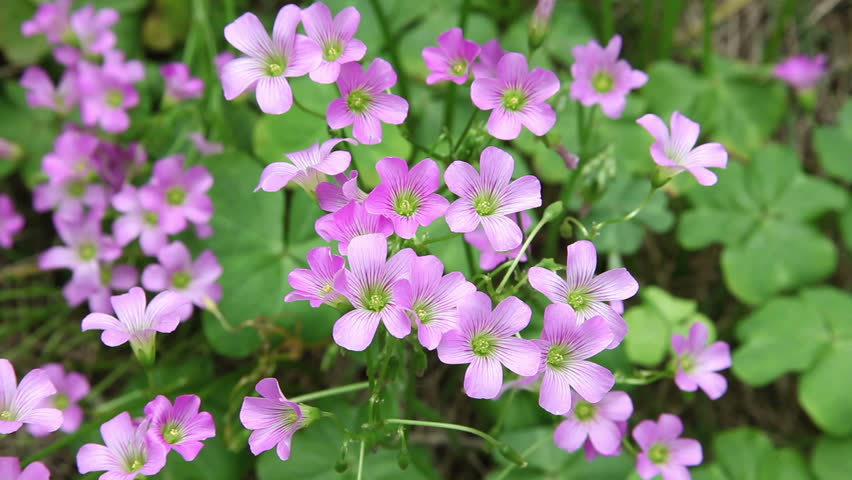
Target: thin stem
{"points": [[523, 249], [307, 110], [628, 446], [449, 107], [596, 228], [448, 426], [468, 253], [352, 387], [391, 45], [442, 238], [532, 448], [361, 459], [504, 410], [607, 20], [707, 57], [458, 143]]}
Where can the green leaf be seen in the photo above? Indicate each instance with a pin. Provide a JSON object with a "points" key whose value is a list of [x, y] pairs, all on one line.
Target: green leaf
{"points": [[17, 48], [826, 400], [748, 454], [846, 227], [671, 86], [831, 459], [654, 321], [761, 213], [833, 145], [746, 111], [215, 462]]}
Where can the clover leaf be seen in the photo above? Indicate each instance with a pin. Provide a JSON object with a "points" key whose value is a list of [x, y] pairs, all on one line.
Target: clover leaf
{"points": [[834, 145], [748, 454], [831, 460]]}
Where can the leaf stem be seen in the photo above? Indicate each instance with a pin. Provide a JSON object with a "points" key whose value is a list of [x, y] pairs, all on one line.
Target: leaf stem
{"points": [[330, 392], [307, 110], [361, 459], [504, 449], [553, 211], [455, 148]]}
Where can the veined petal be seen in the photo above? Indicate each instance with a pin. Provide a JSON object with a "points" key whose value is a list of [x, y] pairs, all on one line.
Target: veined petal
{"points": [[483, 378], [549, 283], [248, 35], [241, 74], [503, 233], [355, 330], [615, 284], [274, 95]]}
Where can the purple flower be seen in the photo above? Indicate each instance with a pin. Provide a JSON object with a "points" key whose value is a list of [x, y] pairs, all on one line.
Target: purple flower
{"points": [[486, 65], [308, 168], [333, 197], [516, 97], [374, 285], [489, 197], [71, 157], [85, 246], [599, 426], [601, 78], [222, 59], [490, 258], [273, 418], [196, 281], [539, 25], [70, 198], [801, 71], [697, 362], [89, 35], [70, 387], [181, 427], [178, 195], [317, 283], [120, 278], [350, 222], [106, 92], [51, 19], [11, 222], [10, 469], [663, 452], [20, 403], [269, 61], [451, 59], [677, 152], [204, 146], [136, 322], [180, 84], [408, 198], [334, 36], [486, 340], [42, 93], [364, 102], [129, 451], [433, 298], [137, 221], [115, 163], [586, 293], [565, 345]]}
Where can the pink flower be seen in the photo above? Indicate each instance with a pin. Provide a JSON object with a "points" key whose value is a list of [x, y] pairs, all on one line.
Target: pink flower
{"points": [[308, 168], [490, 197], [20, 403], [85, 247], [112, 277], [375, 286], [663, 452], [451, 59], [350, 222], [136, 322], [42, 93], [433, 298], [177, 195], [585, 292], [89, 35], [597, 426], [601, 78], [180, 85], [71, 199], [204, 146], [334, 36], [486, 65], [801, 71], [222, 59], [363, 101], [565, 345], [698, 362], [10, 469], [129, 451], [137, 221], [11, 222], [332, 198], [106, 92], [486, 340], [677, 152], [9, 150], [269, 61], [71, 158], [273, 418], [490, 258], [406, 197], [317, 283], [70, 387], [180, 427], [516, 97], [51, 19], [177, 272]]}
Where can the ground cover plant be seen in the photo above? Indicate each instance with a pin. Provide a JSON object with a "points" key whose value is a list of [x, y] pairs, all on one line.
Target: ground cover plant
{"points": [[437, 239]]}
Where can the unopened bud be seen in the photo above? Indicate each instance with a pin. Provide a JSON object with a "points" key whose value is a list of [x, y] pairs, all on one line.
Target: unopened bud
{"points": [[309, 414], [145, 349], [512, 455], [9, 150], [553, 211], [403, 459], [539, 25], [342, 465], [661, 177], [571, 160]]}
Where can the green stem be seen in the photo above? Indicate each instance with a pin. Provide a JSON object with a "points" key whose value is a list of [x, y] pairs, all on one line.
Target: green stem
{"points": [[596, 228], [449, 107], [707, 57], [607, 20], [532, 448], [391, 45], [504, 411], [361, 460], [629, 446], [307, 110], [547, 217], [455, 148], [504, 449], [442, 238], [642, 377], [468, 253], [352, 387]]}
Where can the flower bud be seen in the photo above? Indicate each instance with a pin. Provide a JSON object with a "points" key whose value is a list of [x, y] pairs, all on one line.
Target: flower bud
{"points": [[554, 210], [403, 459], [539, 25], [342, 465], [145, 349]]}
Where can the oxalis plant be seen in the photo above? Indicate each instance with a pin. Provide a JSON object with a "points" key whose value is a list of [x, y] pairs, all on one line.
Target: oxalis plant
{"points": [[467, 221]]}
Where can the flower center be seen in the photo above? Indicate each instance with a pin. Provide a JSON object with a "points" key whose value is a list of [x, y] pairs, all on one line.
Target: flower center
{"points": [[290, 417], [326, 289], [483, 345], [584, 411], [81, 166], [175, 196], [485, 204], [358, 100], [459, 67], [332, 51], [376, 299], [578, 300], [406, 203], [76, 188], [151, 218], [424, 312], [61, 401], [106, 275], [558, 356], [172, 433], [514, 99], [181, 280], [6, 415], [687, 363], [136, 463], [114, 98], [603, 82], [87, 251], [275, 66], [659, 454]]}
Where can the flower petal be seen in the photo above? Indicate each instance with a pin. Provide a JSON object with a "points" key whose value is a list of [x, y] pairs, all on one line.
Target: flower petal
{"points": [[355, 330], [483, 378], [274, 95]]}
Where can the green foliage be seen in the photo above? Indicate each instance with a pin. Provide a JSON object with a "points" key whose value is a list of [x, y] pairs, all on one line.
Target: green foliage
{"points": [[17, 48], [834, 145], [748, 454], [654, 321], [762, 214], [831, 460], [808, 334]]}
